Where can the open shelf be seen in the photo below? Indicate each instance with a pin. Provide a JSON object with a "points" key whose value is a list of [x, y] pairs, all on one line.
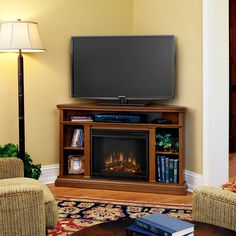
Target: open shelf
{"points": [[167, 153]]}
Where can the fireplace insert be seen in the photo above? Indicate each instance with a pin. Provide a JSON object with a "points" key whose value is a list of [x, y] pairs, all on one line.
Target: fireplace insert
{"points": [[119, 154]]}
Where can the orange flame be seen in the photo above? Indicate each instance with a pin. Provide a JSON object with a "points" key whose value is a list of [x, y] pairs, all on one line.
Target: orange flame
{"points": [[118, 161]]}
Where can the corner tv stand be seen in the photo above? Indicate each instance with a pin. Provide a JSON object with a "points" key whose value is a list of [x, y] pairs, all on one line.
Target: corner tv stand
{"points": [[147, 177]]}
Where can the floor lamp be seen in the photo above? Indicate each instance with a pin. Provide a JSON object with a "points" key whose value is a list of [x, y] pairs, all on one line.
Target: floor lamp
{"points": [[20, 36]]}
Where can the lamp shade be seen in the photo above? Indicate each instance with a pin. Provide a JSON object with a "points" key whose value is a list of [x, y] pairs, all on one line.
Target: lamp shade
{"points": [[20, 35]]}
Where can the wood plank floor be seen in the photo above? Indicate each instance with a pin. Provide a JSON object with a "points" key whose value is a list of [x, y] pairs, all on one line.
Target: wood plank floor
{"points": [[232, 166], [120, 195], [162, 198]]}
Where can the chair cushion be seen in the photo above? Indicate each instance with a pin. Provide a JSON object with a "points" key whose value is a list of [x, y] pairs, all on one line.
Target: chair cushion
{"points": [[50, 202]]}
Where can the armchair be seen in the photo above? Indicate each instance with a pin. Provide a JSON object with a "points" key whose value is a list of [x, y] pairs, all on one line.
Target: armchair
{"points": [[27, 207], [215, 206]]}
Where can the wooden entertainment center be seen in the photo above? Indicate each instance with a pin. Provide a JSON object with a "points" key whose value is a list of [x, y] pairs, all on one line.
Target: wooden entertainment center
{"points": [[173, 114]]}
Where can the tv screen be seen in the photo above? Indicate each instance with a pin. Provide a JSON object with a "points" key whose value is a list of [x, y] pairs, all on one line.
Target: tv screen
{"points": [[130, 67]]}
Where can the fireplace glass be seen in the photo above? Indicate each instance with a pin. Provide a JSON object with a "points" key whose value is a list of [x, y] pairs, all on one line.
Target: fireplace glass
{"points": [[119, 154]]}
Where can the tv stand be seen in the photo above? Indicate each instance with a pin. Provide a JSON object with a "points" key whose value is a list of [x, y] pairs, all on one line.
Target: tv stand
{"points": [[175, 116]]}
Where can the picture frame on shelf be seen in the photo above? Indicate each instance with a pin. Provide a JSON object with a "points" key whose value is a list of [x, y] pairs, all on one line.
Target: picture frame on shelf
{"points": [[75, 164]]}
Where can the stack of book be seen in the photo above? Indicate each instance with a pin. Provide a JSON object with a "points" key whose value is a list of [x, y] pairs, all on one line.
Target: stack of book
{"points": [[81, 118], [167, 169], [160, 224], [77, 138]]}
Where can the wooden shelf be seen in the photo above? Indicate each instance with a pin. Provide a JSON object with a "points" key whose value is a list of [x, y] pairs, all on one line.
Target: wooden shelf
{"points": [[173, 113], [169, 126], [167, 153], [76, 122], [74, 148]]}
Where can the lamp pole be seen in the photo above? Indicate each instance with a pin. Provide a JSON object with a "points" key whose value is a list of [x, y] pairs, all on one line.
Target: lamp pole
{"points": [[21, 109]]}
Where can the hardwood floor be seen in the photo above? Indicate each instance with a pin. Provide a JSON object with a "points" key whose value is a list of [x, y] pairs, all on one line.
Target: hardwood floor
{"points": [[162, 198], [120, 195], [232, 167]]}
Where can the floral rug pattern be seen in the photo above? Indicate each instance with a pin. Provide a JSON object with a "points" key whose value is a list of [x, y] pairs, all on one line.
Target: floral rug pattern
{"points": [[77, 213]]}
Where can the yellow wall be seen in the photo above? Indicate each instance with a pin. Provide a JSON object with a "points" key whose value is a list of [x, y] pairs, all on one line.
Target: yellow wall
{"points": [[182, 18], [47, 75]]}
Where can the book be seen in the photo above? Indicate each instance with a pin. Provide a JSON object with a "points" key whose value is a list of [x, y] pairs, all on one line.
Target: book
{"points": [[171, 170], [176, 170], [134, 230], [81, 118], [77, 138], [80, 141], [164, 225], [167, 169], [163, 174], [158, 163]]}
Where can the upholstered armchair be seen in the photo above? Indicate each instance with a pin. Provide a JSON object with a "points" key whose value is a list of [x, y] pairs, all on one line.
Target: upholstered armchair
{"points": [[27, 207], [215, 206]]}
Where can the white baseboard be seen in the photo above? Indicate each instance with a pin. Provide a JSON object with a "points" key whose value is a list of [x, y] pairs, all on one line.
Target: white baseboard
{"points": [[192, 180], [50, 173]]}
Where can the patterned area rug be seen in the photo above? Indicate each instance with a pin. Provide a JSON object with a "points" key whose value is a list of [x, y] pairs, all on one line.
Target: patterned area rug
{"points": [[78, 213]]}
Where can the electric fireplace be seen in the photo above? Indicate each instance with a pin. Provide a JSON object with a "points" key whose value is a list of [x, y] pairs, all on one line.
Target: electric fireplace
{"points": [[119, 154]]}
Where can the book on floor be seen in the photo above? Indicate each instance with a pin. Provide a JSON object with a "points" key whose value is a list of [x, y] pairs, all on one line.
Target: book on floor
{"points": [[134, 230], [164, 225]]}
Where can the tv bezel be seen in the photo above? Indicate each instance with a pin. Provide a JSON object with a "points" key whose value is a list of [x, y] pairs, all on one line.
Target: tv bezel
{"points": [[123, 99]]}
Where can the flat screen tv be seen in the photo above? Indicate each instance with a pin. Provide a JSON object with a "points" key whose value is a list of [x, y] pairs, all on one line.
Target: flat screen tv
{"points": [[123, 68]]}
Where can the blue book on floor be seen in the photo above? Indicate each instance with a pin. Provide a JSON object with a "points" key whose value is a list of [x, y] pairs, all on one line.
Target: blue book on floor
{"points": [[135, 230], [164, 225]]}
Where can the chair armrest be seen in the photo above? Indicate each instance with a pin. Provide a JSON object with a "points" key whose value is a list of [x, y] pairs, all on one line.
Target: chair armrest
{"points": [[11, 167], [215, 206], [22, 210]]}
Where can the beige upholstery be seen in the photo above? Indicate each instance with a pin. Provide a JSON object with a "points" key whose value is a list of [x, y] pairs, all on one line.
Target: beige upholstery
{"points": [[215, 206], [11, 168], [27, 207]]}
